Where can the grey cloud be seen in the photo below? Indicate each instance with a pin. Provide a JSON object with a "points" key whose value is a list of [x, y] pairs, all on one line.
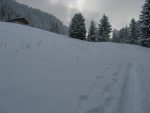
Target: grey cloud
{"points": [[120, 12]]}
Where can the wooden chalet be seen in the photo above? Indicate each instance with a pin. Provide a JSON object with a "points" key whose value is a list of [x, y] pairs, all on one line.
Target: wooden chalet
{"points": [[19, 21]]}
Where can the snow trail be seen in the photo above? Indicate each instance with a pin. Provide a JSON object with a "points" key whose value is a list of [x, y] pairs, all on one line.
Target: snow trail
{"points": [[130, 100], [122, 95]]}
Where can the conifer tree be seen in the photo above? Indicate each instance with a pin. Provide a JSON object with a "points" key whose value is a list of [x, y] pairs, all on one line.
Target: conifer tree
{"points": [[124, 35], [104, 29], [145, 24], [2, 11], [133, 32], [115, 36], [77, 27], [92, 32]]}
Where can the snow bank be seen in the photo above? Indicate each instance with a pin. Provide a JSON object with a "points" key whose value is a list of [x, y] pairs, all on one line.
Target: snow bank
{"points": [[42, 72]]}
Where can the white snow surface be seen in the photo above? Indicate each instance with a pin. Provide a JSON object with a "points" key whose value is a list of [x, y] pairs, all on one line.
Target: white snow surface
{"points": [[42, 72]]}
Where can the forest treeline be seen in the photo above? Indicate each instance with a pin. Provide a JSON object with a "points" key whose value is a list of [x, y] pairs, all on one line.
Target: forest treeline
{"points": [[11, 9], [137, 32]]}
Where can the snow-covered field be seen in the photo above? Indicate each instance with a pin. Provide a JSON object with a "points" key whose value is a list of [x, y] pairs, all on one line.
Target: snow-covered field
{"points": [[42, 72]]}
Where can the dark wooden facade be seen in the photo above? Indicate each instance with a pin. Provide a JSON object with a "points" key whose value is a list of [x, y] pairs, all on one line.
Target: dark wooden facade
{"points": [[19, 21]]}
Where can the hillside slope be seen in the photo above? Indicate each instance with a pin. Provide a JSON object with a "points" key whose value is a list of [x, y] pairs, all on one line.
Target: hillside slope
{"points": [[35, 17], [41, 72]]}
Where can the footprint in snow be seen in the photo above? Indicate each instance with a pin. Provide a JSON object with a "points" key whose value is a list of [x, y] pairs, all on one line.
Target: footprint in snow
{"points": [[99, 77], [116, 73], [114, 80], [83, 97], [108, 88], [94, 110], [107, 68]]}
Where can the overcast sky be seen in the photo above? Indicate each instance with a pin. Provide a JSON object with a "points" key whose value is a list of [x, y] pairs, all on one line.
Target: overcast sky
{"points": [[120, 12]]}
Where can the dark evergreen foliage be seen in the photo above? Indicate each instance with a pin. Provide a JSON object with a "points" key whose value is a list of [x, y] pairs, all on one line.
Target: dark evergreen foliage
{"points": [[145, 25], [77, 27], [115, 36], [124, 35], [104, 29], [92, 32], [133, 32]]}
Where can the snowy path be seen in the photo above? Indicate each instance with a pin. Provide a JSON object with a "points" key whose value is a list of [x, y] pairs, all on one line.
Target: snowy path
{"points": [[121, 95], [130, 99]]}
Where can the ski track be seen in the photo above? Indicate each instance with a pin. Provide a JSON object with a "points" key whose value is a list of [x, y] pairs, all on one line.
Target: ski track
{"points": [[121, 95]]}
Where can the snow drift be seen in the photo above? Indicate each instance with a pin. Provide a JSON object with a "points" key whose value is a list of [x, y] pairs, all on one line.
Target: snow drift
{"points": [[42, 72]]}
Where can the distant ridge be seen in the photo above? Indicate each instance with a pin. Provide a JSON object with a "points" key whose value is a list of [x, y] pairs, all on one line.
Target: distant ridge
{"points": [[11, 9]]}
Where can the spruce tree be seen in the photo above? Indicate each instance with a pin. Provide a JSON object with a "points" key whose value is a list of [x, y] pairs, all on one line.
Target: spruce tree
{"points": [[115, 36], [133, 32], [104, 29], [124, 35], [92, 32], [145, 24], [77, 27], [2, 12]]}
